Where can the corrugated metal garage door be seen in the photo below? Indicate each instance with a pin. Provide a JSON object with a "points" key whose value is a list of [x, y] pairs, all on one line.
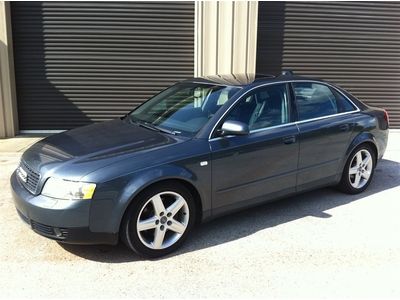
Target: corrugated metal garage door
{"points": [[83, 62], [354, 44]]}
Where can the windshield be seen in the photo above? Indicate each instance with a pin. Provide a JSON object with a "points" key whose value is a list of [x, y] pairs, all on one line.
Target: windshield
{"points": [[183, 108]]}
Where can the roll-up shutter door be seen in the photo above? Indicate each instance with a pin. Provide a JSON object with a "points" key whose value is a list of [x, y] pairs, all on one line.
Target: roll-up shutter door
{"points": [[83, 62], [353, 44]]}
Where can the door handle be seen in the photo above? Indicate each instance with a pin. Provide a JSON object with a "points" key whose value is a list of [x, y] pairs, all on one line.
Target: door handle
{"points": [[344, 127], [289, 139]]}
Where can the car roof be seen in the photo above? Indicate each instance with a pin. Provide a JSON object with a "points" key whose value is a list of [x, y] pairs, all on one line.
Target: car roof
{"points": [[247, 79]]}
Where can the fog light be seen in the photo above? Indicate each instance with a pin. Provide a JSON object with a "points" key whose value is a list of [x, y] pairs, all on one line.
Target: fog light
{"points": [[58, 232]]}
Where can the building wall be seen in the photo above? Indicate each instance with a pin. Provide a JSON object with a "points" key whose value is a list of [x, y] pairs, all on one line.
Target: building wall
{"points": [[353, 44], [78, 63], [82, 62], [226, 37], [8, 105]]}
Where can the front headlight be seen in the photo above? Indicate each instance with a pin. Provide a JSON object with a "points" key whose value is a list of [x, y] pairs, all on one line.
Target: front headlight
{"points": [[68, 190]]}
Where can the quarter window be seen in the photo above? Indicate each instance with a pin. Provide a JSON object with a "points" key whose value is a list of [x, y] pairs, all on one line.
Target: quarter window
{"points": [[263, 108], [344, 105], [316, 100]]}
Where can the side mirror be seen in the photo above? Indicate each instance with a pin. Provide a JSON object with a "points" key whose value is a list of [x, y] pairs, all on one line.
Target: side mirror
{"points": [[234, 128]]}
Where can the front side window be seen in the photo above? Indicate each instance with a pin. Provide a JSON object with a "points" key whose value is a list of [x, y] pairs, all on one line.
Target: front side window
{"points": [[316, 100], [265, 107], [183, 108]]}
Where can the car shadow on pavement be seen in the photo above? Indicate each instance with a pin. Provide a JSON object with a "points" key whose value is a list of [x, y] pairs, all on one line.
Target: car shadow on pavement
{"points": [[249, 221]]}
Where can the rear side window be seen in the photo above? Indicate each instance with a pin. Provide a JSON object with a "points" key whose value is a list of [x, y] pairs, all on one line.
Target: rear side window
{"points": [[316, 100]]}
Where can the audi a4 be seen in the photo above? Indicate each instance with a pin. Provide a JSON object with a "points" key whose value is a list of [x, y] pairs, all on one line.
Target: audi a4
{"points": [[202, 148]]}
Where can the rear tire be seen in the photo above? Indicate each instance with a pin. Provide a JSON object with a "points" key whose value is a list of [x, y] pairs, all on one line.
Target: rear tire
{"points": [[359, 170], [159, 219]]}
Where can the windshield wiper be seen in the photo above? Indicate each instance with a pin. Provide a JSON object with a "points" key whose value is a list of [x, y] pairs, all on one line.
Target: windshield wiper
{"points": [[163, 129], [154, 127]]}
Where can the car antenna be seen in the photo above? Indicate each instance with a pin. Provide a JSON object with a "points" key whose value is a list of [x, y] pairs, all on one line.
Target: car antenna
{"points": [[287, 73]]}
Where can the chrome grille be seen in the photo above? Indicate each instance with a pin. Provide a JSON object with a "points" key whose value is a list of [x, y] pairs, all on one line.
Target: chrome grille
{"points": [[32, 179]]}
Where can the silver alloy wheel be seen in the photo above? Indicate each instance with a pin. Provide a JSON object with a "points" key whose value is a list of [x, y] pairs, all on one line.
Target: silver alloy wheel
{"points": [[162, 220], [360, 169]]}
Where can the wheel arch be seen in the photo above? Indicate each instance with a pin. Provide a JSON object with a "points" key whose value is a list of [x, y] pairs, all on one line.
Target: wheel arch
{"points": [[343, 183], [173, 179], [360, 139]]}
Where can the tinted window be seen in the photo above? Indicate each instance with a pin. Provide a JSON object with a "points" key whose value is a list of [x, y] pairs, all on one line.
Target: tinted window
{"points": [[343, 104], [315, 100], [184, 108], [265, 107]]}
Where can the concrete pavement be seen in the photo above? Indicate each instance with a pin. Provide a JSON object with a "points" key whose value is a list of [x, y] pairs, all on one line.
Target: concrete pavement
{"points": [[319, 244], [18, 144]]}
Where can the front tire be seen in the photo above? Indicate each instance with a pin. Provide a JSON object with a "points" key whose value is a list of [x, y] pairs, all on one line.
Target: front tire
{"points": [[358, 171], [159, 219]]}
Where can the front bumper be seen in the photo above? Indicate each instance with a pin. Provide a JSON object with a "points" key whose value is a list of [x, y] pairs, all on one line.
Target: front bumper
{"points": [[61, 220]]}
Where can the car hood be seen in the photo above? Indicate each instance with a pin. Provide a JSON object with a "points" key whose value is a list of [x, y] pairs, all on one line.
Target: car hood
{"points": [[74, 153]]}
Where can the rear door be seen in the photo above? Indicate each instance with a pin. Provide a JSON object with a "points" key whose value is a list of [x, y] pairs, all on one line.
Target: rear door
{"points": [[325, 123]]}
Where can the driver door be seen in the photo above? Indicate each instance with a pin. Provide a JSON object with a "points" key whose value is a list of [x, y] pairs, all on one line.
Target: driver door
{"points": [[252, 168]]}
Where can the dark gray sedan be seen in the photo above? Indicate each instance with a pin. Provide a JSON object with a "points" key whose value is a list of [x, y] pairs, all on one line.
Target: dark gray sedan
{"points": [[199, 149]]}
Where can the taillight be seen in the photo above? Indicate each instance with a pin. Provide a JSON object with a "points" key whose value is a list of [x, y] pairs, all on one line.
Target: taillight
{"points": [[386, 117]]}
